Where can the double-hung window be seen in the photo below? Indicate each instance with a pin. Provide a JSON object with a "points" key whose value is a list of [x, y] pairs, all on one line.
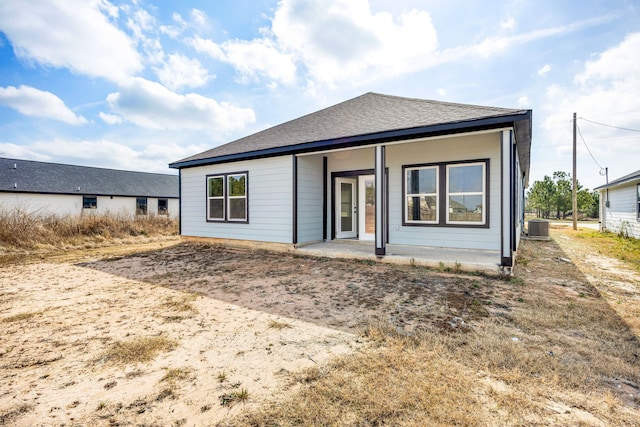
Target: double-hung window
{"points": [[215, 193], [421, 187], [227, 197], [466, 193], [446, 194]]}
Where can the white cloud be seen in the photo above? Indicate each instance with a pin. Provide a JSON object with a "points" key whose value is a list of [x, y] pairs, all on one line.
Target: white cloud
{"points": [[342, 40], [34, 102], [605, 91], [618, 62], [442, 92], [110, 119], [198, 22], [70, 34], [179, 71], [151, 105], [199, 19], [495, 45], [542, 72], [127, 155], [523, 101], [252, 59], [508, 24]]}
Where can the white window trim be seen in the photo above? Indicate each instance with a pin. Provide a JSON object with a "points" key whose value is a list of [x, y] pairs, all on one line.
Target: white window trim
{"points": [[230, 197], [407, 195], [475, 193], [209, 198]]}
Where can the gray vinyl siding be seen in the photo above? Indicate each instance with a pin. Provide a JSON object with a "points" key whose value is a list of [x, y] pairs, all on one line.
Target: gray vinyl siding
{"points": [[621, 215], [310, 198], [473, 147], [269, 198]]}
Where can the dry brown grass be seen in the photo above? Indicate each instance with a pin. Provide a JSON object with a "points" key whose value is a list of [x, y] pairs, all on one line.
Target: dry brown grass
{"points": [[20, 228], [560, 356], [138, 350], [20, 317]]}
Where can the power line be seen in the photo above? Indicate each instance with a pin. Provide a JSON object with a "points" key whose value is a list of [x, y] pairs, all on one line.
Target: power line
{"points": [[609, 126], [587, 147]]}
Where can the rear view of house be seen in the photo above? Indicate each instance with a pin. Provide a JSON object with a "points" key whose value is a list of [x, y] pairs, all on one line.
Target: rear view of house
{"points": [[41, 187], [389, 170], [620, 205]]}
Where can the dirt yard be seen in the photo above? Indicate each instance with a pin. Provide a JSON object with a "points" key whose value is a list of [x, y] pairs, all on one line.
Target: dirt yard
{"points": [[191, 334]]}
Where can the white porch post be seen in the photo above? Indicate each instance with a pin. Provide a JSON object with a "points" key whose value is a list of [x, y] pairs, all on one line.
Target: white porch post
{"points": [[506, 198], [381, 221]]}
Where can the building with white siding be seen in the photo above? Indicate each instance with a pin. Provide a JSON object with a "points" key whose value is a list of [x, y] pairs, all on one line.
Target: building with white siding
{"points": [[620, 205], [378, 168], [52, 188]]}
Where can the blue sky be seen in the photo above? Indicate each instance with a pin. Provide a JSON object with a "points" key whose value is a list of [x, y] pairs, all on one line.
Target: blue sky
{"points": [[139, 84]]}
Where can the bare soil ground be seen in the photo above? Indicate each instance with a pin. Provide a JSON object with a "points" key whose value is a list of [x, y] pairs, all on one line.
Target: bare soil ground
{"points": [[236, 326]]}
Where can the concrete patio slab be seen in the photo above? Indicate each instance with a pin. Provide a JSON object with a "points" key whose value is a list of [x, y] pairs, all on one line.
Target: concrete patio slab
{"points": [[452, 259]]}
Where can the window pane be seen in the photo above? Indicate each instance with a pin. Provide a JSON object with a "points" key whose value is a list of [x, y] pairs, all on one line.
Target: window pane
{"points": [[465, 208], [163, 206], [141, 206], [421, 181], [89, 202], [216, 186], [421, 208], [237, 185], [237, 208], [465, 179], [216, 209]]}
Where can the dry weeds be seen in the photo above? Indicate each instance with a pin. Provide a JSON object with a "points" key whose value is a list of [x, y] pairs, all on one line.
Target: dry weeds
{"points": [[137, 350], [22, 229], [555, 345]]}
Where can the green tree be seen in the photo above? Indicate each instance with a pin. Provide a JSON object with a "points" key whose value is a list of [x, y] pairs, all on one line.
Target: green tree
{"points": [[541, 196], [555, 194], [562, 199]]}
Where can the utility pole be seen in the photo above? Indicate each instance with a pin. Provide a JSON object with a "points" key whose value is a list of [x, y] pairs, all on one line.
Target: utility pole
{"points": [[574, 193]]}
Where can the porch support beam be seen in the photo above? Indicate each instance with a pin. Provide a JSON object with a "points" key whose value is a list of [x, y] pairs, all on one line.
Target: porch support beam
{"points": [[294, 202], [507, 201], [381, 220]]}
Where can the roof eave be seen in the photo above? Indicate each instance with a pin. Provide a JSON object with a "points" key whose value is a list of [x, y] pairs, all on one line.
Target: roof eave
{"points": [[361, 140], [617, 183]]}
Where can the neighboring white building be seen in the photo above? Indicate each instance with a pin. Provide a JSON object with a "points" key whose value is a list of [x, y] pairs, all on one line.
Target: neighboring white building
{"points": [[40, 187], [620, 205], [386, 169]]}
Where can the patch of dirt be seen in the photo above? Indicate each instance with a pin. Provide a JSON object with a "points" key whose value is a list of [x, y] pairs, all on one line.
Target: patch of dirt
{"points": [[243, 322], [340, 294]]}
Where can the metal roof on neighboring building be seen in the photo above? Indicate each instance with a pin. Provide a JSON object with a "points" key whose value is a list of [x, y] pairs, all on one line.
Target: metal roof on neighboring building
{"points": [[26, 176]]}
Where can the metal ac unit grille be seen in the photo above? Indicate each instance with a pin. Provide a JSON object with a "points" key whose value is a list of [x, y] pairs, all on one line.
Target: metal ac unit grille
{"points": [[539, 229]]}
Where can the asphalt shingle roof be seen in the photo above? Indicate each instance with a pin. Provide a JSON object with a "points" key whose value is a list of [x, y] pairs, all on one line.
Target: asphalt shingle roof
{"points": [[25, 176], [368, 114]]}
